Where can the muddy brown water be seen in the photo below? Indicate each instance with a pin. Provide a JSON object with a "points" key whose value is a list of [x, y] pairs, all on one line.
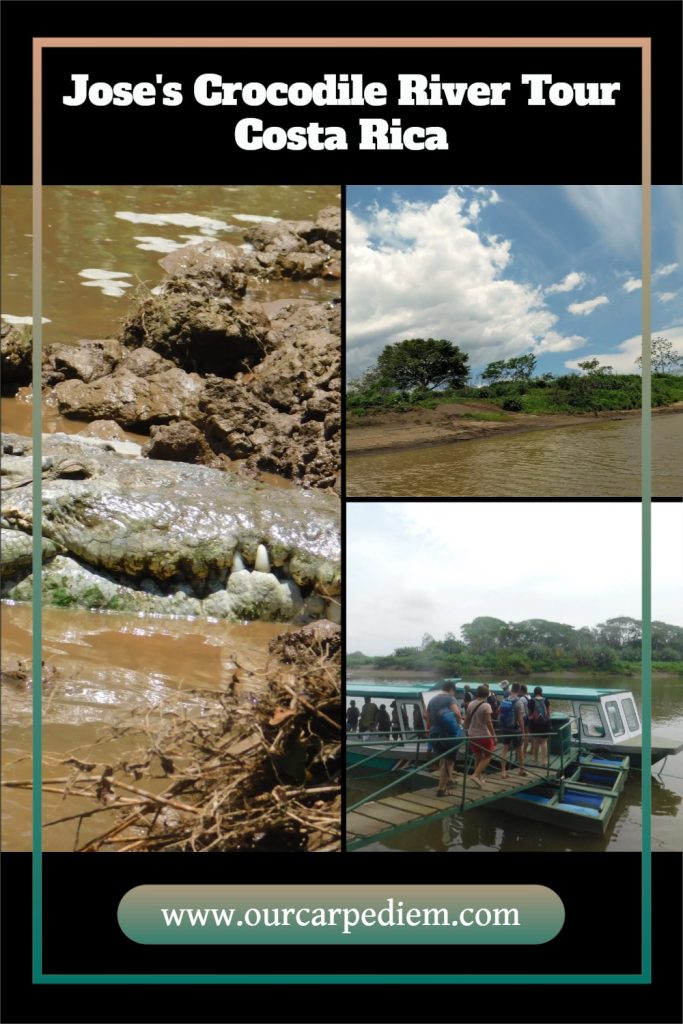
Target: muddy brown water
{"points": [[82, 232], [601, 460], [108, 666], [111, 664]]}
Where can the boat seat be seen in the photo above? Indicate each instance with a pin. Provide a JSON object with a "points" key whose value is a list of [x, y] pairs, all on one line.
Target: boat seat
{"points": [[583, 799], [589, 812], [535, 798]]}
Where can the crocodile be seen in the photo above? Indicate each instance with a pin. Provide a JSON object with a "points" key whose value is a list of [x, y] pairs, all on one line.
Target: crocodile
{"points": [[120, 532]]}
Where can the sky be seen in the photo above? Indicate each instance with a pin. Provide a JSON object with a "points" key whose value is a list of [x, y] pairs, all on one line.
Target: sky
{"points": [[506, 270], [430, 567]]}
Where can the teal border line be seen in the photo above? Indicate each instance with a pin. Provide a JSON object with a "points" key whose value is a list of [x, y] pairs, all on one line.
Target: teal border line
{"points": [[644, 978]]}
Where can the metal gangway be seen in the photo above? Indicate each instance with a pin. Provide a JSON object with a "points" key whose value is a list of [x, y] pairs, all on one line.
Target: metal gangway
{"points": [[410, 799]]}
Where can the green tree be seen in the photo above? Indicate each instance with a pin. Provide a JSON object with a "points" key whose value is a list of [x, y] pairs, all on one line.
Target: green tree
{"points": [[494, 372], [593, 368], [521, 367], [483, 634], [517, 368], [427, 363], [664, 357]]}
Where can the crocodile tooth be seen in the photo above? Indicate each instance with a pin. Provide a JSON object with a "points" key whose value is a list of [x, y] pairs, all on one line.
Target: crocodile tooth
{"points": [[262, 563], [237, 563]]}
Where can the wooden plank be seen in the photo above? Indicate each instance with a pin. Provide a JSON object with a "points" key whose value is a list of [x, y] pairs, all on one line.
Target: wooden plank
{"points": [[389, 815], [405, 803], [363, 826]]}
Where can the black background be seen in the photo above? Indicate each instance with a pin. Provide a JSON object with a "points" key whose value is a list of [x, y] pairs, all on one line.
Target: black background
{"points": [[512, 144], [195, 144]]}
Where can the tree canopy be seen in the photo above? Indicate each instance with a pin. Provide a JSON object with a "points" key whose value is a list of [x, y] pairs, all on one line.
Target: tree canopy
{"points": [[426, 363], [664, 357]]}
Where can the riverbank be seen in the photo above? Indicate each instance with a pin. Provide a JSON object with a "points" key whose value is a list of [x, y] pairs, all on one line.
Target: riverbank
{"points": [[451, 422], [407, 676]]}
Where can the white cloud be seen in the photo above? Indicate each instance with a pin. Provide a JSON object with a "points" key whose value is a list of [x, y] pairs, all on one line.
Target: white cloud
{"points": [[623, 357], [587, 307], [632, 285], [666, 270], [666, 296], [574, 279], [554, 342], [423, 270]]}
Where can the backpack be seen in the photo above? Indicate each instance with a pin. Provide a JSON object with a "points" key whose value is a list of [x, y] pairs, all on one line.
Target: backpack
{"points": [[507, 715], [540, 712]]}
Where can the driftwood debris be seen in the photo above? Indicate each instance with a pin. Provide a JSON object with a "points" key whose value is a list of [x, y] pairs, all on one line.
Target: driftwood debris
{"points": [[244, 775]]}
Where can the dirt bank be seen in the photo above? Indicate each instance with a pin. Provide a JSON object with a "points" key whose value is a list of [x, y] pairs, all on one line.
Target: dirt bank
{"points": [[424, 428]]}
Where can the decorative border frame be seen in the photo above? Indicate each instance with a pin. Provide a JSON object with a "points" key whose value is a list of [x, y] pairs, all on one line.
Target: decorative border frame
{"points": [[645, 977]]}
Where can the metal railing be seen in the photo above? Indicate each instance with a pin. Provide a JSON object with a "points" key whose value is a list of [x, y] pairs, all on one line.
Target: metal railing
{"points": [[461, 742]]}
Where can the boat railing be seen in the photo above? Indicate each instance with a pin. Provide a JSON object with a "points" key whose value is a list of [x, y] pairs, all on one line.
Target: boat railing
{"points": [[385, 745], [458, 743]]}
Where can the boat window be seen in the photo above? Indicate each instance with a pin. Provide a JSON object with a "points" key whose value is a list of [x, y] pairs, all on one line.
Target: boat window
{"points": [[591, 723], [631, 715], [615, 720]]}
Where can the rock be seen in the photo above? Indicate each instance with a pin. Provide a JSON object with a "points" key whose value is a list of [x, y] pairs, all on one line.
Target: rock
{"points": [[327, 228], [132, 402], [86, 360], [284, 236], [301, 266], [16, 352], [144, 362], [206, 257], [108, 430], [286, 418], [206, 335], [179, 442], [210, 268]]}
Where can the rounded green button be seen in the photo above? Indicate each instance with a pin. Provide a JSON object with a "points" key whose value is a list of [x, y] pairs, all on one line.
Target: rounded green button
{"points": [[341, 914]]}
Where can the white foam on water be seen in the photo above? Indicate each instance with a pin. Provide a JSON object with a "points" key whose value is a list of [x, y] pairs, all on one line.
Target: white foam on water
{"points": [[155, 243], [11, 319], [194, 239], [255, 219], [179, 220], [95, 274], [115, 289]]}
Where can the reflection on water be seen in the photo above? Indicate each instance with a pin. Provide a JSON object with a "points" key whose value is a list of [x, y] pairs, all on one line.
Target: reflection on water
{"points": [[601, 460], [108, 666], [489, 829], [82, 233]]}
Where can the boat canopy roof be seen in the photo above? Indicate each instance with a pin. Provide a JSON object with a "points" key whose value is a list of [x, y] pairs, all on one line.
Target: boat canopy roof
{"points": [[391, 690]]}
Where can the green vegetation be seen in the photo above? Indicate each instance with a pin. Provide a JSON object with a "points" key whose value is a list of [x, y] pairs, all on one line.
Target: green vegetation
{"points": [[489, 645], [424, 373]]}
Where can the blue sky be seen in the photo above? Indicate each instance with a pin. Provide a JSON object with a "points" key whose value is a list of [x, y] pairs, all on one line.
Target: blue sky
{"points": [[505, 270]]}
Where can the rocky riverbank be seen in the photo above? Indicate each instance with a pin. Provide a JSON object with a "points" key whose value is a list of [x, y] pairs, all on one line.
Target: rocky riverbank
{"points": [[210, 375]]}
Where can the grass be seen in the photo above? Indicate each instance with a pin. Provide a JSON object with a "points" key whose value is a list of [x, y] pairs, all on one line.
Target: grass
{"points": [[486, 417]]}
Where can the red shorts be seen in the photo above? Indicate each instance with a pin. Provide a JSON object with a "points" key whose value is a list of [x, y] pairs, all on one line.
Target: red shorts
{"points": [[483, 745]]}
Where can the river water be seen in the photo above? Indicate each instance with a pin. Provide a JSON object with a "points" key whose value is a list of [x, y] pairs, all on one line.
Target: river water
{"points": [[126, 231], [111, 664], [591, 460], [492, 829]]}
